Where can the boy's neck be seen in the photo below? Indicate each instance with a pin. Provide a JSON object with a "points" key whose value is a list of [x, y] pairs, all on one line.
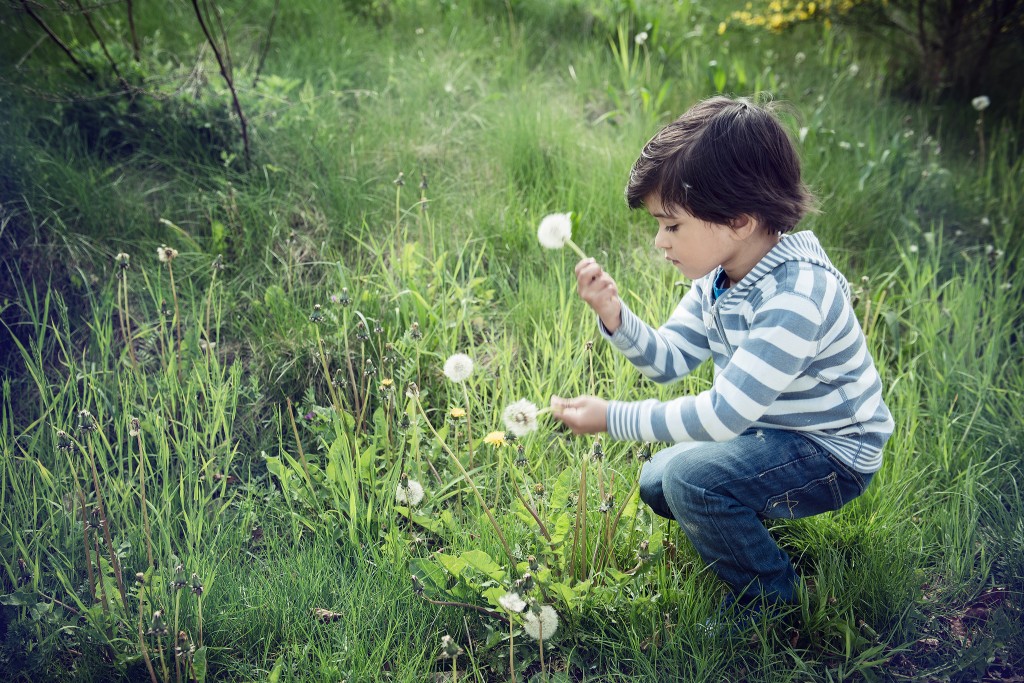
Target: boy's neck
{"points": [[752, 250]]}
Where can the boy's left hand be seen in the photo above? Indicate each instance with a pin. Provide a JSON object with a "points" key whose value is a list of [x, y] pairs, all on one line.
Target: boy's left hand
{"points": [[583, 414]]}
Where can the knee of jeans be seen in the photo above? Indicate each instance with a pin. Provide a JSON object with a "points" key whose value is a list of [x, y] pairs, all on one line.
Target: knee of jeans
{"points": [[650, 488], [680, 482]]}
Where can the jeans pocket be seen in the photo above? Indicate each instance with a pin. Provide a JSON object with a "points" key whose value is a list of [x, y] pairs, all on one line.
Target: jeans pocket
{"points": [[813, 498]]}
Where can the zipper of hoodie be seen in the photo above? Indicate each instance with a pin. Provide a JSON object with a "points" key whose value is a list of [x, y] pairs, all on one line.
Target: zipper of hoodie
{"points": [[718, 321]]}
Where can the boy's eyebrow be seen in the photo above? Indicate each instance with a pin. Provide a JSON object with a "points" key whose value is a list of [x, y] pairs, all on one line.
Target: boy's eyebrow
{"points": [[660, 215]]}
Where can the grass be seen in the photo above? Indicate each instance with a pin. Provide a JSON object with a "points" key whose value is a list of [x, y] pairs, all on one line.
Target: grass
{"points": [[280, 506]]}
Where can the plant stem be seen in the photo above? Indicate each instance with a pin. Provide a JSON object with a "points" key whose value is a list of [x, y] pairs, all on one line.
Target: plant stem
{"points": [[511, 650], [142, 638], [145, 506], [327, 372], [572, 245], [469, 480], [469, 424], [298, 446], [114, 562], [177, 313]]}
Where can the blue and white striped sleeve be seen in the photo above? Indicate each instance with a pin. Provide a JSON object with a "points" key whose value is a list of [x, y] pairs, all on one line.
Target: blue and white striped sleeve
{"points": [[783, 341], [672, 351]]}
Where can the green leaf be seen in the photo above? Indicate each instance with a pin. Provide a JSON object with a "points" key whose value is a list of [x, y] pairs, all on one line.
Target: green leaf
{"points": [[453, 565], [567, 482], [483, 563], [430, 575], [560, 531], [275, 673], [199, 664]]}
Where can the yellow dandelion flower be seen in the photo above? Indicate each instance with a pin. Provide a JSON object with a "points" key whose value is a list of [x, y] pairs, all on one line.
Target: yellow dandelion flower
{"points": [[496, 439], [457, 413], [721, 28]]}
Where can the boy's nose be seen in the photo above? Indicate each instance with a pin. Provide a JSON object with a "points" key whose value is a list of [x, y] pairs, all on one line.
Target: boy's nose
{"points": [[660, 242]]}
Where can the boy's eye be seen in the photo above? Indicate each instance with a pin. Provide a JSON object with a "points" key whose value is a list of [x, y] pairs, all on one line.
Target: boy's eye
{"points": [[671, 228]]}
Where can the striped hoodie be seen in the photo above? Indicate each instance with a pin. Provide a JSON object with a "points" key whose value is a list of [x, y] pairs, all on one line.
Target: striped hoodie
{"points": [[788, 351]]}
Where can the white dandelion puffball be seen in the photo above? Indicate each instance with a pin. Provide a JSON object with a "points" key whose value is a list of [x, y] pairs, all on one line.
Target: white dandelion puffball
{"points": [[555, 230], [512, 602], [166, 253], [458, 367], [411, 495], [541, 625], [520, 417], [980, 103]]}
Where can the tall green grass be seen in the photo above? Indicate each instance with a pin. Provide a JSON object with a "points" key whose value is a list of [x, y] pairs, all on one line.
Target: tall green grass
{"points": [[281, 506]]}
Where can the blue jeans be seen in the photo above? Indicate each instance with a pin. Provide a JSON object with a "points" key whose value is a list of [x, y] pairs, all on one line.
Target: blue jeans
{"points": [[719, 493]]}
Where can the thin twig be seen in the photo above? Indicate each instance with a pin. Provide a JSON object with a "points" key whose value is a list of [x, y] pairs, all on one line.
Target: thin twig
{"points": [[224, 72], [53, 36], [266, 43], [131, 29]]}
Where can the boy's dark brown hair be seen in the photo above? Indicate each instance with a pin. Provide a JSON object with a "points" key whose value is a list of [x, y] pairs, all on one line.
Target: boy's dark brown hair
{"points": [[723, 158]]}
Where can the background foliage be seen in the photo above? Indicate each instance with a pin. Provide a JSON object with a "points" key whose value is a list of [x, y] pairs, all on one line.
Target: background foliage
{"points": [[400, 156]]}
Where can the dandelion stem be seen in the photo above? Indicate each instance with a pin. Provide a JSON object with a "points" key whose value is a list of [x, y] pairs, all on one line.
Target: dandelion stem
{"points": [[106, 530], [581, 520], [469, 423], [103, 582], [85, 540], [469, 480], [142, 638], [298, 447], [572, 245], [533, 512], [209, 301], [327, 372], [511, 651], [145, 506], [177, 313], [540, 641]]}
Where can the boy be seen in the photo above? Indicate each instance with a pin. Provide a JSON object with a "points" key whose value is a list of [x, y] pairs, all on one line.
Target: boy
{"points": [[794, 423]]}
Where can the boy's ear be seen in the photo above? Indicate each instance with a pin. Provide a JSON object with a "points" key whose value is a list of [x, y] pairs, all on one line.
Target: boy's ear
{"points": [[743, 226]]}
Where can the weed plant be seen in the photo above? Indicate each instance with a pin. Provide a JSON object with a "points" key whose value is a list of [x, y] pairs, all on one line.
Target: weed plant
{"points": [[251, 460]]}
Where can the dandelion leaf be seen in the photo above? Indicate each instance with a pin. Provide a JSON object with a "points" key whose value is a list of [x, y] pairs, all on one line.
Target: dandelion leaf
{"points": [[560, 530], [199, 665], [430, 576], [566, 483], [483, 563]]}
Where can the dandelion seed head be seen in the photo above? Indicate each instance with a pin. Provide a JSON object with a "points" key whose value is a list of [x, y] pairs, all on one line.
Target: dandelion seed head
{"points": [[555, 230], [641, 38], [981, 103], [458, 367], [411, 494], [854, 70], [520, 417], [542, 625], [512, 602], [449, 648], [166, 254]]}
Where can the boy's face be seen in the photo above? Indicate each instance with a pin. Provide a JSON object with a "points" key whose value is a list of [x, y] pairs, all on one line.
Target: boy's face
{"points": [[695, 247]]}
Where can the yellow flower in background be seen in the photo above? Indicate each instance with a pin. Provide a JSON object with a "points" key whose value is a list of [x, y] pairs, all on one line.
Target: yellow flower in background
{"points": [[496, 439], [457, 413], [721, 28]]}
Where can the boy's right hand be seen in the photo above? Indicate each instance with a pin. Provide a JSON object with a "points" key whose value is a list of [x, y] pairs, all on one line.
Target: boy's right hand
{"points": [[599, 290]]}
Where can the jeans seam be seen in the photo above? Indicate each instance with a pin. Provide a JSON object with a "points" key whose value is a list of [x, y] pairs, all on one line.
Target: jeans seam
{"points": [[718, 530], [857, 476]]}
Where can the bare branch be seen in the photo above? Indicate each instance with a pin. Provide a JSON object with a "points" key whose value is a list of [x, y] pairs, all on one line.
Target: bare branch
{"points": [[227, 78]]}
